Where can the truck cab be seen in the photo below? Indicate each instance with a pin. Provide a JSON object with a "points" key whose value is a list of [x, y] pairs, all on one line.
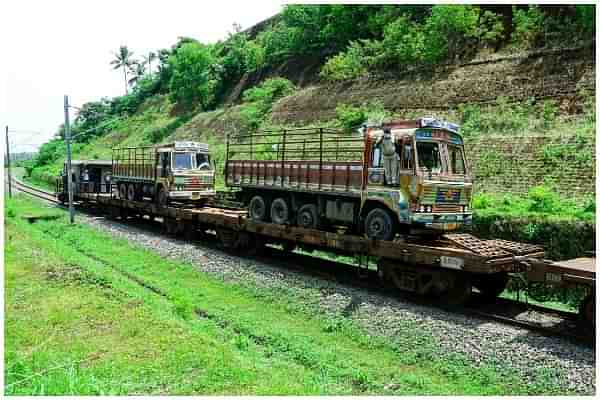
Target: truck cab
{"points": [[433, 189], [184, 172]]}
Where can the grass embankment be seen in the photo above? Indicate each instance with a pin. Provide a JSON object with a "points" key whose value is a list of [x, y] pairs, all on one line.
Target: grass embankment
{"points": [[90, 314]]}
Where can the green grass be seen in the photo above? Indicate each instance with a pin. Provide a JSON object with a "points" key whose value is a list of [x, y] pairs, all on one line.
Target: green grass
{"points": [[90, 314]]}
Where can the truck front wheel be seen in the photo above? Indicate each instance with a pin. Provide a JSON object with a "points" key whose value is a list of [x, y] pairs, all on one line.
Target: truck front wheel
{"points": [[280, 211], [162, 197], [379, 225]]}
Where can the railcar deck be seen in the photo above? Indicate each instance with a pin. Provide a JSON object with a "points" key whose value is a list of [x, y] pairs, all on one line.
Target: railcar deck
{"points": [[455, 252]]}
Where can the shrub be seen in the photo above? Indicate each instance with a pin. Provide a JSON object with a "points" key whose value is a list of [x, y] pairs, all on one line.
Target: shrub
{"points": [[193, 80], [259, 100], [528, 26], [448, 29], [490, 29], [544, 200], [347, 65], [404, 43], [270, 90], [549, 114], [351, 117]]}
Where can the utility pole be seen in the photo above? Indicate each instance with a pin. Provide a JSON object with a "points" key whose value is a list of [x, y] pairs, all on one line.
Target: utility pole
{"points": [[8, 164], [69, 172]]}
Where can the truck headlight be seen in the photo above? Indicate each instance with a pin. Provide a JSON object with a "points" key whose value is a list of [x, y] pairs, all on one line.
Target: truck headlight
{"points": [[422, 208], [428, 208]]}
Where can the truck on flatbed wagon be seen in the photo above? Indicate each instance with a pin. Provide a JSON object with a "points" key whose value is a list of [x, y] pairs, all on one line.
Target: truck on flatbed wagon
{"points": [[179, 171], [408, 177]]}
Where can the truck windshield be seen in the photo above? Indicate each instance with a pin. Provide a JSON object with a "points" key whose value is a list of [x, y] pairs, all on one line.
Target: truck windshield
{"points": [[457, 162], [429, 156], [202, 161], [183, 161]]}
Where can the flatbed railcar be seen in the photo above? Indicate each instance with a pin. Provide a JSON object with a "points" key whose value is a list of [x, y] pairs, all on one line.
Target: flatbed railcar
{"points": [[448, 267]]}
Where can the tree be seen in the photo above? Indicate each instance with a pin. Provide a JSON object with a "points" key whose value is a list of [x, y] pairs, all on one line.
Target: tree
{"points": [[147, 59], [137, 70], [193, 75], [123, 59]]}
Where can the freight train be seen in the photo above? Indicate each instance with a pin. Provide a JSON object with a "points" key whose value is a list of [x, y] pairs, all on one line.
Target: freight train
{"points": [[340, 192]]}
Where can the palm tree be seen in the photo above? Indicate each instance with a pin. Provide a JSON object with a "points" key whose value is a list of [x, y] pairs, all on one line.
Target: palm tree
{"points": [[137, 71], [123, 59], [148, 60]]}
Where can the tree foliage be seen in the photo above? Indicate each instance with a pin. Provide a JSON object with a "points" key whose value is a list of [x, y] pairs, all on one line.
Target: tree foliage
{"points": [[193, 78]]}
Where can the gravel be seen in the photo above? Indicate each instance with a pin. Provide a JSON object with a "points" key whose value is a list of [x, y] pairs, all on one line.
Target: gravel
{"points": [[534, 357]]}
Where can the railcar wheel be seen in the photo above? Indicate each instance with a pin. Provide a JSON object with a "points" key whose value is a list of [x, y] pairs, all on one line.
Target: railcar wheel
{"points": [[308, 216], [162, 197], [458, 291], [587, 311], [122, 191], [131, 192], [490, 286], [280, 211], [379, 225], [258, 209]]}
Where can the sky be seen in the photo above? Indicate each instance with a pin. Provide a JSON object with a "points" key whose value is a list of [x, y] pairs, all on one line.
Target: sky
{"points": [[60, 47]]}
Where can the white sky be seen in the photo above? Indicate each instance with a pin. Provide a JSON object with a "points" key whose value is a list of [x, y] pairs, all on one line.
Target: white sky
{"points": [[58, 47]]}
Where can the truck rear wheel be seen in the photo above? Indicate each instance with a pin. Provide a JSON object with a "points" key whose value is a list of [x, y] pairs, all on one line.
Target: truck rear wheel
{"points": [[308, 216], [379, 225], [122, 191], [280, 211], [257, 209], [131, 192]]}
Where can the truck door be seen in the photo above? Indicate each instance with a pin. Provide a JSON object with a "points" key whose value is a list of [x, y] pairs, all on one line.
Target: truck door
{"points": [[375, 175], [164, 162], [407, 161]]}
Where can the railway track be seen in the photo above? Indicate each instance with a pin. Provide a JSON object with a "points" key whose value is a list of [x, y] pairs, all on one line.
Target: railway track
{"points": [[511, 312], [36, 192]]}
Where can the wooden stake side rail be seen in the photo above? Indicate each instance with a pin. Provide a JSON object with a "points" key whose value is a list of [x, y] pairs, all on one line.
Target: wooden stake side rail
{"points": [[409, 253]]}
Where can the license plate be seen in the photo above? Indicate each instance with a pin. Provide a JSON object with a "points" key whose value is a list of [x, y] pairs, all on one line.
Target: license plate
{"points": [[553, 277], [195, 196], [452, 262]]}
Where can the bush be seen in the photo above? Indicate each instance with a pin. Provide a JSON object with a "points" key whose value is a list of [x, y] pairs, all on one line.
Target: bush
{"points": [[544, 200], [404, 43], [270, 90], [193, 79], [352, 117], [528, 26], [448, 29], [259, 100], [347, 65]]}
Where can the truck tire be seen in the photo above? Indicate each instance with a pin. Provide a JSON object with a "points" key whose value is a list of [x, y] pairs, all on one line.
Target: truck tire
{"points": [[308, 217], [280, 211], [162, 198], [122, 191], [257, 209], [379, 225], [131, 192]]}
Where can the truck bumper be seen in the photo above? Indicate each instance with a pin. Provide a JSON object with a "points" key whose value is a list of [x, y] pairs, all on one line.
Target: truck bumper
{"points": [[191, 195], [444, 222]]}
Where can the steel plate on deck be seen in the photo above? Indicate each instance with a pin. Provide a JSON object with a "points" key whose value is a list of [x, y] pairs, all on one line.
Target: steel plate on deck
{"points": [[477, 246], [516, 248]]}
